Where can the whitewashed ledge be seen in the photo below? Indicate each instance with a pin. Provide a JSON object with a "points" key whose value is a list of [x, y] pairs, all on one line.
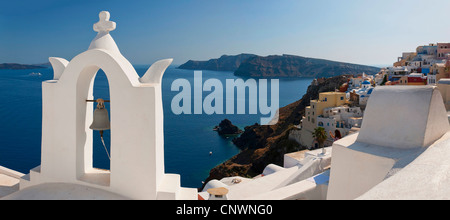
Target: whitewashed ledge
{"points": [[427, 177], [9, 181], [393, 157]]}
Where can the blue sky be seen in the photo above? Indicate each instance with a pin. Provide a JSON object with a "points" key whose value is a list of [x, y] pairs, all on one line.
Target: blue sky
{"points": [[355, 31]]}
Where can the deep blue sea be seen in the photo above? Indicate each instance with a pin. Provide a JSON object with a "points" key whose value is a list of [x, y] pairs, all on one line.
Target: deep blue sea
{"points": [[188, 139]]}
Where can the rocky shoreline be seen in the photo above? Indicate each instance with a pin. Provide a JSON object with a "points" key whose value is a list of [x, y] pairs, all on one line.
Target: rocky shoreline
{"points": [[266, 144]]}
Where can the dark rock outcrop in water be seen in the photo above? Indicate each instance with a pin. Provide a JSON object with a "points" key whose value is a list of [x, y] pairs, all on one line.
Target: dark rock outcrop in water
{"points": [[265, 144], [16, 66], [227, 128], [224, 63], [297, 66]]}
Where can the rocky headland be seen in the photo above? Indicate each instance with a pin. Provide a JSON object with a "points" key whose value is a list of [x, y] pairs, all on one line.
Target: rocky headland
{"points": [[285, 66], [297, 66], [17, 66], [224, 63], [265, 144]]}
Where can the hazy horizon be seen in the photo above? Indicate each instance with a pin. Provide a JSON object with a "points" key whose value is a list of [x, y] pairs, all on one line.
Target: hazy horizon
{"points": [[369, 33], [178, 64]]}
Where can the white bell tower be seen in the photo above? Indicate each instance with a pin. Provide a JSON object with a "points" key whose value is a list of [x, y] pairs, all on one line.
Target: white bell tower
{"points": [[137, 136]]}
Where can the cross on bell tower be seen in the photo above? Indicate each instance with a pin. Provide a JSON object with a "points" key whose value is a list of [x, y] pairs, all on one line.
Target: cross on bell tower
{"points": [[104, 25], [103, 40]]}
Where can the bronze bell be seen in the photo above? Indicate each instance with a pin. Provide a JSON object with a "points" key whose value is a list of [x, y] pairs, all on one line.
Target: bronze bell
{"points": [[101, 118]]}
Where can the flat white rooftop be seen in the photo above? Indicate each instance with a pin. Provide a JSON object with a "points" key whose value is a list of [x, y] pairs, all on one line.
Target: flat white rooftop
{"points": [[427, 177], [9, 181], [63, 191]]}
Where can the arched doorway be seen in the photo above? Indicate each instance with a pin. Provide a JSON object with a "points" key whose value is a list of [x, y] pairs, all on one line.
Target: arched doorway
{"points": [[100, 157], [93, 164], [315, 145], [337, 134], [79, 76]]}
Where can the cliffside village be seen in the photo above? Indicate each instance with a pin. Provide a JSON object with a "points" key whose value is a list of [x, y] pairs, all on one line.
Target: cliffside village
{"points": [[341, 112]]}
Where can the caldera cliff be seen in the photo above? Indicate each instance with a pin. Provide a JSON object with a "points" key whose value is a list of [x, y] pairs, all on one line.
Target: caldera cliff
{"points": [[265, 144], [298, 66], [279, 66]]}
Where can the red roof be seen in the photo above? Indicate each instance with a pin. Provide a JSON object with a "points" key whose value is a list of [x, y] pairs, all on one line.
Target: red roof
{"points": [[417, 79]]}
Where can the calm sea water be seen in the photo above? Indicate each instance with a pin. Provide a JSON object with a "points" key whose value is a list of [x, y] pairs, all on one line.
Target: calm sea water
{"points": [[188, 138]]}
